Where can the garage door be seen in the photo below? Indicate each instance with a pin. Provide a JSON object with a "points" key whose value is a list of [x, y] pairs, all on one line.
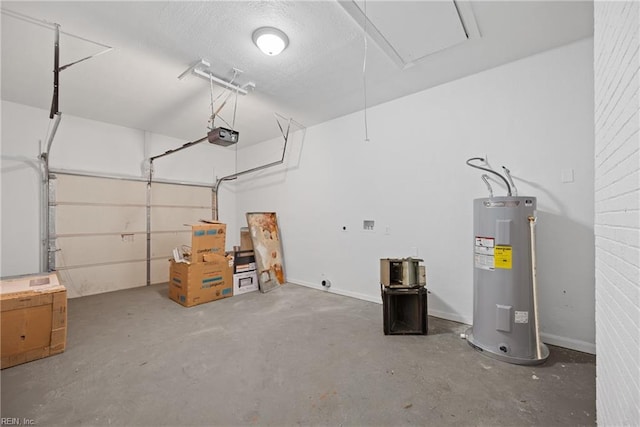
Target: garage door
{"points": [[100, 229]]}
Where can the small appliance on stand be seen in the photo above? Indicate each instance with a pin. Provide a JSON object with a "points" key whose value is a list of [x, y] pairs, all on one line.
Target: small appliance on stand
{"points": [[404, 296]]}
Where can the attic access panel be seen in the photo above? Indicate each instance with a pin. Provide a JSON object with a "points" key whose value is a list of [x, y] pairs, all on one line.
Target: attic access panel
{"points": [[409, 31]]}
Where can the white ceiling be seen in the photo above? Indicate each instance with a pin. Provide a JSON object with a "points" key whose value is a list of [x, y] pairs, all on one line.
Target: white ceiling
{"points": [[317, 78]]}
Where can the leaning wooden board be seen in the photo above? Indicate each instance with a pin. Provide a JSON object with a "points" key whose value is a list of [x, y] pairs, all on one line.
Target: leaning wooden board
{"points": [[265, 235]]}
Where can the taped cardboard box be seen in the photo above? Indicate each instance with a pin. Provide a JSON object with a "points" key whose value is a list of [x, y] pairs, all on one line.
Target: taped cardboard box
{"points": [[207, 238], [34, 318], [202, 282], [245, 282]]}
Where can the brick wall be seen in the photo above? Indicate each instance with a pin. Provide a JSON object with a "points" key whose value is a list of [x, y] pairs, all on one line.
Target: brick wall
{"points": [[617, 213]]}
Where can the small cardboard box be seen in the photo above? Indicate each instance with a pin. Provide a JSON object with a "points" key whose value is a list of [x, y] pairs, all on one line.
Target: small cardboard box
{"points": [[245, 282], [198, 283], [207, 238], [34, 318]]}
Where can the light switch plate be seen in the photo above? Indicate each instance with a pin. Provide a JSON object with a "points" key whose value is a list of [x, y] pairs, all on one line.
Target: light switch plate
{"points": [[566, 175]]}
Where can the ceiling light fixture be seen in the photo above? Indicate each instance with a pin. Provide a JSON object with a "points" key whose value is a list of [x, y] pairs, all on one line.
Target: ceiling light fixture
{"points": [[270, 40]]}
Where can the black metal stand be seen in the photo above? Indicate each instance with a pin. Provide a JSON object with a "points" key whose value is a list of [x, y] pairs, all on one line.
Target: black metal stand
{"points": [[405, 310]]}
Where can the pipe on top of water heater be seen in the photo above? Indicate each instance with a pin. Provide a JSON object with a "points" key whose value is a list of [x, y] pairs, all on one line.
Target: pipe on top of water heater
{"points": [[507, 172], [490, 171], [485, 178]]}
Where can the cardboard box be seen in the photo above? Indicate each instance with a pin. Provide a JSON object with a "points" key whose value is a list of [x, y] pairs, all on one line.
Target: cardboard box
{"points": [[34, 318], [207, 238], [245, 239], [198, 283], [215, 257], [244, 261], [245, 282]]}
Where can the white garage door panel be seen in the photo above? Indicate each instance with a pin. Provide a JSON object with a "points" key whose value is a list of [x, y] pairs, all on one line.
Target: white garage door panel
{"points": [[105, 278], [176, 195], [100, 249], [101, 224], [89, 190], [78, 219], [174, 219], [163, 243], [160, 270]]}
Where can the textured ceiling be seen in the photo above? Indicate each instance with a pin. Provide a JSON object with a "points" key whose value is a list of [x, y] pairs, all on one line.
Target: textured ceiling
{"points": [[318, 77]]}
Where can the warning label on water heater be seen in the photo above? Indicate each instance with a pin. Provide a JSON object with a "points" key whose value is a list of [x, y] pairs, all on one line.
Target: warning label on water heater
{"points": [[483, 253], [489, 256], [503, 257], [485, 242]]}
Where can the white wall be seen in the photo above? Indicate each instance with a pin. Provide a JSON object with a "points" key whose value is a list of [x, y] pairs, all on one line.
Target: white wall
{"points": [[534, 115], [617, 212], [95, 148]]}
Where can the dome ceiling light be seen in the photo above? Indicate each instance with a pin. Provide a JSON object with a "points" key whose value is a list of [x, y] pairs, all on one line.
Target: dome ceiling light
{"points": [[270, 40]]}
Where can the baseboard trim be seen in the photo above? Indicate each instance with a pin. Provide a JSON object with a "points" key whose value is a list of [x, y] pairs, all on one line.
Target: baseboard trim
{"points": [[547, 338], [583, 346], [337, 291], [455, 317]]}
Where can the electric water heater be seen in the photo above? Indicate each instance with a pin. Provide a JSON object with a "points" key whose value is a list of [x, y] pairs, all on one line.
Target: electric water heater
{"points": [[505, 321]]}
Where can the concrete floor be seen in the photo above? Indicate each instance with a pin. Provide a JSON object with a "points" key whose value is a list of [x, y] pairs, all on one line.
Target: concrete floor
{"points": [[292, 356]]}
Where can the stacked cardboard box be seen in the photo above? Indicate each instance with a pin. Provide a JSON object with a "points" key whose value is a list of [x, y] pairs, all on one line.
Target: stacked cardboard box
{"points": [[34, 318], [209, 274], [207, 238], [197, 283]]}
